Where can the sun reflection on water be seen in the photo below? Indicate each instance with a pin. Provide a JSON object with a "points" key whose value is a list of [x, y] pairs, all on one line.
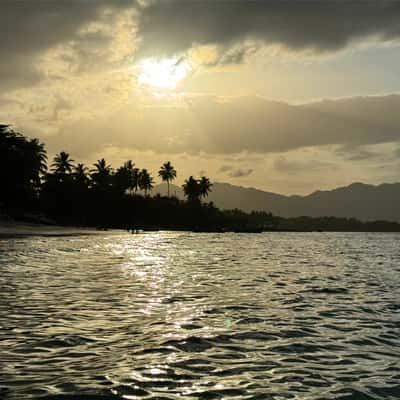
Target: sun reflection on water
{"points": [[182, 315]]}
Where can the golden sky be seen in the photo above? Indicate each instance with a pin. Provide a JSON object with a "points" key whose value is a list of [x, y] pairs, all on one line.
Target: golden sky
{"points": [[288, 97]]}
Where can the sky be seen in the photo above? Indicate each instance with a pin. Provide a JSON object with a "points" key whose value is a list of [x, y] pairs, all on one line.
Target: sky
{"points": [[285, 96]]}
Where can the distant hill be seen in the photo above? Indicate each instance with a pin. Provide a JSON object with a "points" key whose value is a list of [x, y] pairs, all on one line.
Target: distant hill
{"points": [[358, 200]]}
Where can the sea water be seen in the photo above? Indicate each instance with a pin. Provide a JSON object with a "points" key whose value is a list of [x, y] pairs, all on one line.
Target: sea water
{"points": [[170, 315]]}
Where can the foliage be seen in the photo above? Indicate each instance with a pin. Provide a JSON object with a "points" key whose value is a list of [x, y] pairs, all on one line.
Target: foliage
{"points": [[101, 175], [194, 189], [191, 189], [62, 164], [204, 186], [167, 173], [146, 181], [22, 166], [125, 177]]}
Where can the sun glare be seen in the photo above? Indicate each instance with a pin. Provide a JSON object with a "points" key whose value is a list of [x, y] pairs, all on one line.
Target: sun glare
{"points": [[162, 74]]}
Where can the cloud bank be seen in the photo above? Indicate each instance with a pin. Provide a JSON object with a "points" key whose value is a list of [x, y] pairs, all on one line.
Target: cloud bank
{"points": [[173, 26], [216, 125], [29, 28]]}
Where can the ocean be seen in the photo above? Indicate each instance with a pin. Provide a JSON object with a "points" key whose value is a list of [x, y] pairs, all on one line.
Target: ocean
{"points": [[179, 315]]}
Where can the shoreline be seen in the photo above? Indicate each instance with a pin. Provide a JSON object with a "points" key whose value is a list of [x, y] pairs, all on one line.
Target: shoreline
{"points": [[11, 229], [20, 229]]}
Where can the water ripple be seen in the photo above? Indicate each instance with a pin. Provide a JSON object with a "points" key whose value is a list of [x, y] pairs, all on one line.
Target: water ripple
{"points": [[200, 316]]}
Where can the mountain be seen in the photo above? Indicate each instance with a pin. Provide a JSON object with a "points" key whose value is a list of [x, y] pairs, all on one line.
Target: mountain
{"points": [[358, 200]]}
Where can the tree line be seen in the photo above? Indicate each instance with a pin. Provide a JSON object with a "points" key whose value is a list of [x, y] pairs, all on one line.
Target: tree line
{"points": [[127, 178], [25, 161], [68, 192]]}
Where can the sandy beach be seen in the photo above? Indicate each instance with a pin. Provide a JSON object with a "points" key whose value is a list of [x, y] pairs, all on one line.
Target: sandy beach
{"points": [[9, 229]]}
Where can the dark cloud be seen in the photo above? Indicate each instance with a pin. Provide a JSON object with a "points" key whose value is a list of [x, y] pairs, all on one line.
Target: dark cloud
{"points": [[235, 173], [17, 70], [27, 28], [171, 26]]}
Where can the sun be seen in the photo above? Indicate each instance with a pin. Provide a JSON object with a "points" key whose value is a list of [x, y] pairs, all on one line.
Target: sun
{"points": [[164, 74]]}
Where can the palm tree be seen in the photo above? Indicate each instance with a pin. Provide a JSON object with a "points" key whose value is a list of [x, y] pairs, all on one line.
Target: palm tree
{"points": [[135, 179], [80, 174], [22, 165], [101, 173], [191, 188], [37, 160], [62, 164], [101, 166], [124, 176], [145, 181], [167, 173], [205, 186]]}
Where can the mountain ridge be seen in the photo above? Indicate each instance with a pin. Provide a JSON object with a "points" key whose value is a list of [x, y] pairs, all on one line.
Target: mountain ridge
{"points": [[366, 202]]}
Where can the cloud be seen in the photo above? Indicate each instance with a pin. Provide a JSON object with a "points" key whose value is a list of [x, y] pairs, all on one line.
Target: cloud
{"points": [[173, 26], [87, 36], [237, 54], [216, 125], [239, 173], [225, 168], [234, 173], [93, 35], [28, 29], [60, 105], [357, 153], [18, 71], [294, 167], [258, 125]]}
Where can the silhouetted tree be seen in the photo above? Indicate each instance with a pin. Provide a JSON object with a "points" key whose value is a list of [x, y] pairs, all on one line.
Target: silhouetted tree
{"points": [[205, 186], [22, 165], [135, 179], [145, 181], [72, 195], [101, 174], [36, 159], [62, 165], [191, 188], [80, 175], [167, 173], [124, 177], [75, 199], [58, 192]]}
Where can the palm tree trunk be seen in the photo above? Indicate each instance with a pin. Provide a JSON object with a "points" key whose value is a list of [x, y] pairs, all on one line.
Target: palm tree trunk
{"points": [[168, 187]]}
